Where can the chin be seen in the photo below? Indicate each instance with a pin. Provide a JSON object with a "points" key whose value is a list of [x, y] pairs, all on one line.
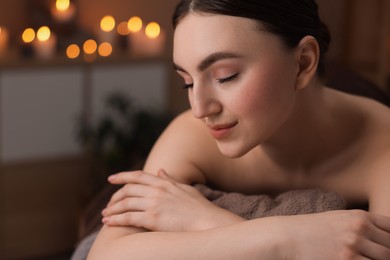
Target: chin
{"points": [[231, 151]]}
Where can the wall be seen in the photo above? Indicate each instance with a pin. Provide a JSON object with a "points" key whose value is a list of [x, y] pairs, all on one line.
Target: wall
{"points": [[149, 10], [91, 11], [333, 13]]}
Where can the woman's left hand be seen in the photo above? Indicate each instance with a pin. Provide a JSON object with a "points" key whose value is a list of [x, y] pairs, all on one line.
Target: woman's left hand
{"points": [[159, 203]]}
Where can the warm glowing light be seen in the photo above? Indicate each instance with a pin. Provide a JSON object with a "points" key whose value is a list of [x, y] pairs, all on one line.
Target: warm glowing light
{"points": [[28, 35], [43, 33], [73, 51], [105, 49], [107, 24], [90, 46], [62, 5], [122, 28], [152, 30], [134, 24]]}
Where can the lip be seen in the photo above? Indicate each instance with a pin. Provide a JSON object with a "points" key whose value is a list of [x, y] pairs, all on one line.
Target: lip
{"points": [[222, 130]]}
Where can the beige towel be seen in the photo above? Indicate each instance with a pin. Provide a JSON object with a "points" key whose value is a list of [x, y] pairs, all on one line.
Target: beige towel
{"points": [[288, 203]]}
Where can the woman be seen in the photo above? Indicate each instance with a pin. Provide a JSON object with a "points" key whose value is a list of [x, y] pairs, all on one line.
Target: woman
{"points": [[261, 121]]}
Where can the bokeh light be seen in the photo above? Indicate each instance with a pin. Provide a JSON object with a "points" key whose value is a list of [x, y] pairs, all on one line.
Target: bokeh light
{"points": [[107, 23], [134, 24], [28, 35], [105, 49], [73, 51], [43, 33], [122, 28], [152, 30], [90, 46], [62, 5]]}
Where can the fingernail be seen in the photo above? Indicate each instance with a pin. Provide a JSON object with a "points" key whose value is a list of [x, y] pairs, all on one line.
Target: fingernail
{"points": [[104, 212], [105, 220], [111, 177]]}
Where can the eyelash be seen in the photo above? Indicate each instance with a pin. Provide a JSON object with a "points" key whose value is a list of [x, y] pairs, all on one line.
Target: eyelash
{"points": [[224, 80], [220, 81]]}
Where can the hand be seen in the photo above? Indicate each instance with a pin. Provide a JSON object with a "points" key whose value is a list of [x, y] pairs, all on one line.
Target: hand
{"points": [[349, 234], [159, 203]]}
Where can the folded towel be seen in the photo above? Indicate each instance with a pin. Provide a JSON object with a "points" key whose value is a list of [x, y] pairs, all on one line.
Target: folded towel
{"points": [[288, 203]]}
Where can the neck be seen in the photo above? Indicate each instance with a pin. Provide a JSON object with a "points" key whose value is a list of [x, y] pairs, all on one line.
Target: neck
{"points": [[311, 136]]}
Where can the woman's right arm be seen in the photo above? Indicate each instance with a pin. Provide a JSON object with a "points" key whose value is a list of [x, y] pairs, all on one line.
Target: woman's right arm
{"points": [[329, 235], [240, 241]]}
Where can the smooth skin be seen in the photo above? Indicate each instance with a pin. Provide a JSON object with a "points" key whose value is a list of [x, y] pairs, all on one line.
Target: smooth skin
{"points": [[260, 121]]}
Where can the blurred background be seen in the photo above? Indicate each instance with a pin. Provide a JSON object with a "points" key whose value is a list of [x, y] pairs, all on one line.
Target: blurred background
{"points": [[86, 86]]}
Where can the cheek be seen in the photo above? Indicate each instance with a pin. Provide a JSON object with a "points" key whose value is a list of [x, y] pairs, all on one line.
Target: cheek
{"points": [[267, 95]]}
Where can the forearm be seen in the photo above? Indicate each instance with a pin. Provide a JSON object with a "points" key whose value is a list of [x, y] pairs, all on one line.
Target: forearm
{"points": [[256, 239]]}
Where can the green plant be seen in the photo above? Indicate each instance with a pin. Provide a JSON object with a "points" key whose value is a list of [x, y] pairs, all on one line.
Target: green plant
{"points": [[122, 137]]}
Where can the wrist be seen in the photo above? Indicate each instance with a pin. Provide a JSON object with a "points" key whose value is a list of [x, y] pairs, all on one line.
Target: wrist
{"points": [[219, 217]]}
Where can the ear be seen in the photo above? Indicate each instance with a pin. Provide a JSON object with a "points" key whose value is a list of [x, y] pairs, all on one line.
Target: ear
{"points": [[308, 55]]}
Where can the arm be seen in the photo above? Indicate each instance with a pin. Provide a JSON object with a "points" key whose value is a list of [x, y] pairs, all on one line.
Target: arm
{"points": [[330, 235], [233, 242]]}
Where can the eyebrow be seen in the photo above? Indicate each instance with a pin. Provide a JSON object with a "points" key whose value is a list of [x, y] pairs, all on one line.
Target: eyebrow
{"points": [[210, 60]]}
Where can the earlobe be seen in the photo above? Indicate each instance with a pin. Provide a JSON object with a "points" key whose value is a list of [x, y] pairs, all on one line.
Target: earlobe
{"points": [[308, 55]]}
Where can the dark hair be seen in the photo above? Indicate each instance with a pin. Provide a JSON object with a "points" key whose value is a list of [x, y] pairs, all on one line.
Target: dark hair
{"points": [[290, 19]]}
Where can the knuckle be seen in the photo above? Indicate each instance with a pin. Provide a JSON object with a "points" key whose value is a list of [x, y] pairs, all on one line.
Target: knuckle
{"points": [[121, 192], [347, 254], [351, 240], [160, 191], [137, 174], [360, 225]]}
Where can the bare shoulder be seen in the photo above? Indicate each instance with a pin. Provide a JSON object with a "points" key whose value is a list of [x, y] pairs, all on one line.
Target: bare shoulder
{"points": [[375, 116], [183, 150], [379, 185], [375, 152], [379, 148]]}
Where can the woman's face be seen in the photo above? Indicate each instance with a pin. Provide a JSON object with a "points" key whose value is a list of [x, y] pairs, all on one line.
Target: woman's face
{"points": [[241, 81]]}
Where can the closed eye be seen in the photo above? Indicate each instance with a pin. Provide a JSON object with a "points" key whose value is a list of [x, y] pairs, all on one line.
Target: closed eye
{"points": [[230, 78]]}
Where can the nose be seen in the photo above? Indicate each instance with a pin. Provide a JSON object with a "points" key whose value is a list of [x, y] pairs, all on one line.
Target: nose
{"points": [[204, 102]]}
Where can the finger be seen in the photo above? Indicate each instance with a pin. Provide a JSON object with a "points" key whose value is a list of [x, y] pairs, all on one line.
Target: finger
{"points": [[374, 250], [125, 205], [135, 219], [130, 190], [379, 236], [134, 177], [382, 222]]}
